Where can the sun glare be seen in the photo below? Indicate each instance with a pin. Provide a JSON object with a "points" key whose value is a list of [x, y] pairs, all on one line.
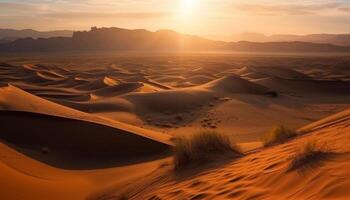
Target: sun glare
{"points": [[188, 6]]}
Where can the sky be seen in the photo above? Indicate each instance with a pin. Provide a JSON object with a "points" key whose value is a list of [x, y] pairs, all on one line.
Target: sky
{"points": [[216, 19]]}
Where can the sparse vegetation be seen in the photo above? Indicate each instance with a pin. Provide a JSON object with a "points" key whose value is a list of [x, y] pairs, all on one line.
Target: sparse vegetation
{"points": [[310, 156], [278, 134], [201, 148]]}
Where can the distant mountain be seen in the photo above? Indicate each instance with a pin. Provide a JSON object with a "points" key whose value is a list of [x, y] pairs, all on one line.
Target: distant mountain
{"points": [[11, 33], [114, 39], [105, 39], [337, 39], [287, 47]]}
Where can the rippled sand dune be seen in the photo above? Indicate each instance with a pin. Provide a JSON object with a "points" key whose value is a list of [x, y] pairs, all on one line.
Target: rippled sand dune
{"points": [[265, 174]]}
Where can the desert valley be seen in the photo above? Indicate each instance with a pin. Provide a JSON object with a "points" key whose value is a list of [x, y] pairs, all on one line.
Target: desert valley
{"points": [[103, 126], [174, 100]]}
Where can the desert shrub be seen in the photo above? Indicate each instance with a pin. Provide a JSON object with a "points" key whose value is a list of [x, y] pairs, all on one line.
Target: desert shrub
{"points": [[310, 156], [278, 134], [201, 148]]}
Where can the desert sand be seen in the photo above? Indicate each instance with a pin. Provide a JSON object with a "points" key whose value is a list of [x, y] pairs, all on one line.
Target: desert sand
{"points": [[264, 174], [101, 127]]}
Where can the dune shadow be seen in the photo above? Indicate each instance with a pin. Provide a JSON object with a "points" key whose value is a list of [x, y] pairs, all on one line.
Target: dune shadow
{"points": [[194, 170], [75, 144], [312, 162]]}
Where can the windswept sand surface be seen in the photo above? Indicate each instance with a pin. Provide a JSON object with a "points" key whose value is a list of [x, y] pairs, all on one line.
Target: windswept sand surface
{"points": [[89, 126], [265, 174], [178, 94]]}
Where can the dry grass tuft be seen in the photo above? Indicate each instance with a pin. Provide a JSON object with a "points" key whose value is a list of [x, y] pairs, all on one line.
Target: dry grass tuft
{"points": [[201, 148], [278, 134], [310, 156]]}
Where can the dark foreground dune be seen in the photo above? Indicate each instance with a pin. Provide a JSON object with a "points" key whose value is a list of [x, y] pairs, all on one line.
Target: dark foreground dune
{"points": [[74, 143], [72, 138]]}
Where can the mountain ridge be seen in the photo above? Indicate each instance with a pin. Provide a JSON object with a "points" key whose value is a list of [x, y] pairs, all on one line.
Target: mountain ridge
{"points": [[118, 39], [24, 33], [336, 39]]}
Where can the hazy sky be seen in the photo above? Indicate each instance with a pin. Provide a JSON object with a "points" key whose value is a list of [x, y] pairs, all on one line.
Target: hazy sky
{"points": [[211, 18]]}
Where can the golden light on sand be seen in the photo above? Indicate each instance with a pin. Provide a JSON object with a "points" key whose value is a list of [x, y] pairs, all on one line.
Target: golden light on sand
{"points": [[182, 99]]}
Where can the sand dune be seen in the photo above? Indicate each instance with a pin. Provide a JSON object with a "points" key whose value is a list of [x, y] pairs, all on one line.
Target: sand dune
{"points": [[264, 174], [35, 180], [306, 87], [66, 96], [328, 122], [147, 87], [66, 138], [175, 101], [272, 71], [102, 137], [24, 178], [235, 84], [98, 84], [200, 79], [98, 105], [49, 75], [73, 143], [42, 106], [167, 79], [118, 89], [71, 82]]}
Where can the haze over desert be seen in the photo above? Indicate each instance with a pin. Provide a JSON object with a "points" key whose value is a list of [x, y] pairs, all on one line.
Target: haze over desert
{"points": [[184, 100]]}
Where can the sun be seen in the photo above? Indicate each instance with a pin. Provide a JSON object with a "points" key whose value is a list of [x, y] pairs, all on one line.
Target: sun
{"points": [[188, 6]]}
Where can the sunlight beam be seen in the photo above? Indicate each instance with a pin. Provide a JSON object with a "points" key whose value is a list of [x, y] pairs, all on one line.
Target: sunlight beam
{"points": [[188, 6]]}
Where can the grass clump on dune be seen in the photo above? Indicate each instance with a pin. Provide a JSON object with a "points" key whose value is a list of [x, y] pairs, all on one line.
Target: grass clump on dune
{"points": [[310, 156], [202, 148], [278, 134]]}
